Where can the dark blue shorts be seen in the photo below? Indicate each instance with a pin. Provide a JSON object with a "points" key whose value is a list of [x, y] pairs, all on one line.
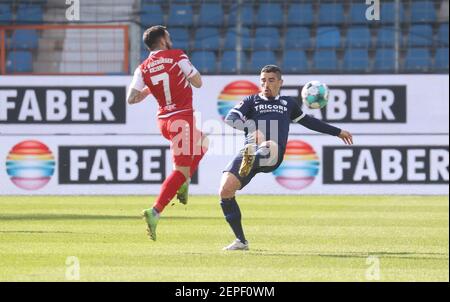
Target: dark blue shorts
{"points": [[234, 165]]}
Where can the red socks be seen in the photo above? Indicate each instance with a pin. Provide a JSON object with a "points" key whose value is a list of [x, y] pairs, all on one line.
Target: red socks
{"points": [[174, 181], [168, 190]]}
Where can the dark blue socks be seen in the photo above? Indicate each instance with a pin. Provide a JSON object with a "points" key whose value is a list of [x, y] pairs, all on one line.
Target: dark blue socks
{"points": [[232, 214]]}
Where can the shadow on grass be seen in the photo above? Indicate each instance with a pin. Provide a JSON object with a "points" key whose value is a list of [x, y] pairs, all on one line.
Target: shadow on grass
{"points": [[403, 255]]}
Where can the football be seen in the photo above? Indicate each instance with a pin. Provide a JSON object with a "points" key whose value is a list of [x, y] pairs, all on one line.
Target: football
{"points": [[315, 95]]}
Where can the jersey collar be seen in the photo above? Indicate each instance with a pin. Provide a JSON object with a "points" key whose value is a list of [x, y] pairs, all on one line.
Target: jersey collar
{"points": [[266, 99], [154, 52]]}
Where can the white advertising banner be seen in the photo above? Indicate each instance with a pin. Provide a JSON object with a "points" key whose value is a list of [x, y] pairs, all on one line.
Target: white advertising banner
{"points": [[376, 104], [138, 164]]}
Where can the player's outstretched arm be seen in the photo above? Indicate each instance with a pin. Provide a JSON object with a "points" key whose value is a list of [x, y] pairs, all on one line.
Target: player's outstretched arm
{"points": [[136, 96], [322, 127]]}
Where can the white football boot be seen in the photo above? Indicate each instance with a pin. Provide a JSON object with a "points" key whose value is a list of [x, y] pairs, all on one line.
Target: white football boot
{"points": [[237, 245]]}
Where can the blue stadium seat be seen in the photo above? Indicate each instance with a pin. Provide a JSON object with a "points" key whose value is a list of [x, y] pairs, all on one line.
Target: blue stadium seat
{"points": [[357, 13], [19, 61], [331, 14], [266, 38], [207, 38], [325, 60], [294, 61], [385, 37], [328, 37], [300, 14], [269, 14], [388, 12], [297, 37], [180, 38], [420, 35], [417, 59], [247, 15], [204, 61], [441, 58], [228, 63], [231, 39], [24, 39], [442, 35], [423, 11], [384, 60], [144, 54], [29, 13], [180, 15], [358, 36], [211, 14], [356, 60], [259, 59], [151, 14], [5, 13]]}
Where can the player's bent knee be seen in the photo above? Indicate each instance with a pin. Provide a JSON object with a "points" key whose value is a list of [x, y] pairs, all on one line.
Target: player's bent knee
{"points": [[227, 192]]}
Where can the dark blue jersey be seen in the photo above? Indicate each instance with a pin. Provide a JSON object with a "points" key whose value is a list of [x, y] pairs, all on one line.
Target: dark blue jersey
{"points": [[273, 118]]}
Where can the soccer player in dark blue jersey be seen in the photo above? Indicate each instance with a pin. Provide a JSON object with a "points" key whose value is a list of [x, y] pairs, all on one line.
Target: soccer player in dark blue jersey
{"points": [[265, 119]]}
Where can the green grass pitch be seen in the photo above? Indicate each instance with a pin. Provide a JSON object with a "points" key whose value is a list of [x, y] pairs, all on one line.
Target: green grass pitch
{"points": [[292, 238]]}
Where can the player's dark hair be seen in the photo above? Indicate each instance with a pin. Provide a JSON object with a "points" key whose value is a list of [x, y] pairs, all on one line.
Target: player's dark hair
{"points": [[152, 36], [272, 68]]}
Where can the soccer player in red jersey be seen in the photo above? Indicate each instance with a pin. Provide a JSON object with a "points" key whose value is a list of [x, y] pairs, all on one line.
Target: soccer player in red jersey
{"points": [[168, 74]]}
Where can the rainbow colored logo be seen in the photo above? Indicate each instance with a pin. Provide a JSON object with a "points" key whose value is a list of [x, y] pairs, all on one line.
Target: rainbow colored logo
{"points": [[233, 93], [30, 164], [299, 167]]}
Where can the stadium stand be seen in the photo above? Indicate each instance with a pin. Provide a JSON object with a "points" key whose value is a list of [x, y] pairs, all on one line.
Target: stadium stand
{"points": [[325, 60], [19, 61], [211, 14], [358, 36], [384, 60], [266, 38], [441, 59], [205, 61], [269, 14], [228, 63], [180, 15], [300, 14], [356, 60], [417, 59], [280, 31], [207, 38], [294, 61], [261, 58], [297, 38]]}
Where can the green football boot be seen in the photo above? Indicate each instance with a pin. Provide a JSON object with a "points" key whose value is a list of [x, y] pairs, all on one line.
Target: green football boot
{"points": [[183, 193], [151, 219]]}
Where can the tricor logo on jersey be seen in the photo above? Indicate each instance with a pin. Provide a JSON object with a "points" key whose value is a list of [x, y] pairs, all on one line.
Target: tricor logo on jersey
{"points": [[265, 108]]}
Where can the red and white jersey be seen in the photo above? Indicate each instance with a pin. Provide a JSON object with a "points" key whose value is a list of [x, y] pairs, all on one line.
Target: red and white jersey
{"points": [[166, 73]]}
